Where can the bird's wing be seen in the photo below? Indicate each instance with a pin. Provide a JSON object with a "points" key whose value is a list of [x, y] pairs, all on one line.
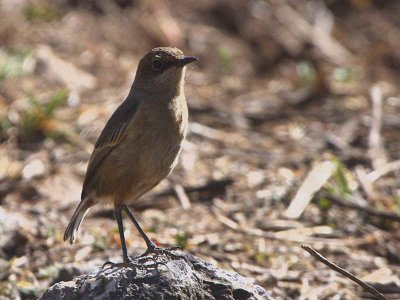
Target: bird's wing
{"points": [[110, 137]]}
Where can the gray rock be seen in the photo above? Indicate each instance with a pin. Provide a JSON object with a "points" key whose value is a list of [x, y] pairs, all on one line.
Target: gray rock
{"points": [[184, 278], [13, 234]]}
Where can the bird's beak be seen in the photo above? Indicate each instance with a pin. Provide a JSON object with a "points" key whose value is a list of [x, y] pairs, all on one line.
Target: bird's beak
{"points": [[181, 62]]}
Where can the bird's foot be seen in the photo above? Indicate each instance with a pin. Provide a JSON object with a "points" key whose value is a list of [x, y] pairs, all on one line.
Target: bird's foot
{"points": [[112, 265], [127, 263], [150, 259], [154, 252]]}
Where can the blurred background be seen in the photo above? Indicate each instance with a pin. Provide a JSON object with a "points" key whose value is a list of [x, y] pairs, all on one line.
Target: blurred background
{"points": [[294, 138]]}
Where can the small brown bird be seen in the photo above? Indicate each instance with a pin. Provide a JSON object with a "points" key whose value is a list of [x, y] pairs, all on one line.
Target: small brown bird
{"points": [[141, 142]]}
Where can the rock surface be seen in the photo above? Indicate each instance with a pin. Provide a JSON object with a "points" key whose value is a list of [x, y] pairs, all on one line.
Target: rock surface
{"points": [[14, 232], [172, 278]]}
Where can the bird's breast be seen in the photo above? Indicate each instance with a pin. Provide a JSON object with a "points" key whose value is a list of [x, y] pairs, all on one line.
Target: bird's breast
{"points": [[178, 112], [157, 135]]}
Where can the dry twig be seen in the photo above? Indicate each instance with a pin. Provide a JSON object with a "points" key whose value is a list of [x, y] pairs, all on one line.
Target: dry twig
{"points": [[383, 170], [314, 181], [372, 211], [377, 150], [300, 235], [336, 268], [365, 184], [319, 34], [182, 196], [210, 186]]}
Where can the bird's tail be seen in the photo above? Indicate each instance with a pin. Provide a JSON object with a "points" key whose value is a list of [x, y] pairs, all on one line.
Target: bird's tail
{"points": [[76, 220]]}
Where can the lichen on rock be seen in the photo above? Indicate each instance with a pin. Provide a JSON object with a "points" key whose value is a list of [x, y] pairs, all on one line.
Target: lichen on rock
{"points": [[168, 278]]}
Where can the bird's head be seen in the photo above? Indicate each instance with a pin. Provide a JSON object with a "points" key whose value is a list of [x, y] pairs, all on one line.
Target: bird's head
{"points": [[161, 71]]}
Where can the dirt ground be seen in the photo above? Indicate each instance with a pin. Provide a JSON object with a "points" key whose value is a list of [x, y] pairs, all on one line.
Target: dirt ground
{"points": [[293, 138]]}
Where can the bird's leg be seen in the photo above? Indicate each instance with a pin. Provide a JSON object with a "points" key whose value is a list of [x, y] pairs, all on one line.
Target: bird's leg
{"points": [[126, 258], [151, 247]]}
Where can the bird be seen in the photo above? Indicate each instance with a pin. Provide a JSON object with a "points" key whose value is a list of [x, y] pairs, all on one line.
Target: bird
{"points": [[140, 144]]}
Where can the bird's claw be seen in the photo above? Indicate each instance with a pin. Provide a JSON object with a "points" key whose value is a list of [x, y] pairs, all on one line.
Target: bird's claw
{"points": [[129, 263], [151, 254], [154, 252], [111, 265]]}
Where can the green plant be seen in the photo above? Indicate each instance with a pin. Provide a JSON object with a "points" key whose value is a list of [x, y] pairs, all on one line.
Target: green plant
{"points": [[225, 58], [343, 75], [396, 199], [341, 179], [101, 243], [181, 239], [14, 64], [38, 119], [5, 124], [45, 13], [28, 290], [306, 73], [324, 204], [261, 257]]}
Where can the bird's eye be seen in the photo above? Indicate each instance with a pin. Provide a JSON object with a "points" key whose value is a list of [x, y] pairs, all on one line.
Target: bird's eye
{"points": [[157, 64]]}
